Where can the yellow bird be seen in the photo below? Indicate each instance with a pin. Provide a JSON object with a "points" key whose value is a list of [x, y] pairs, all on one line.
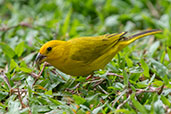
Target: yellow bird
{"points": [[81, 56]]}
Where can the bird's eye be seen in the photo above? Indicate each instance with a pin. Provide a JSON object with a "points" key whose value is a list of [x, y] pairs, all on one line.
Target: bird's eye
{"points": [[49, 48]]}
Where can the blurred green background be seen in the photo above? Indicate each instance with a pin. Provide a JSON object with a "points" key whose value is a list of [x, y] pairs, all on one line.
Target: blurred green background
{"points": [[25, 25]]}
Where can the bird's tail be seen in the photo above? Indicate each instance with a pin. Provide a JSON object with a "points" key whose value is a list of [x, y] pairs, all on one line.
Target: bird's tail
{"points": [[132, 38]]}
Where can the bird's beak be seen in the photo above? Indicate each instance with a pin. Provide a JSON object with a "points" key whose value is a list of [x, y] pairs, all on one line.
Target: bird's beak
{"points": [[39, 58]]}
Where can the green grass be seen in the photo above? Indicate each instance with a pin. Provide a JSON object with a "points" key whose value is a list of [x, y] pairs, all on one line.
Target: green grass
{"points": [[145, 65]]}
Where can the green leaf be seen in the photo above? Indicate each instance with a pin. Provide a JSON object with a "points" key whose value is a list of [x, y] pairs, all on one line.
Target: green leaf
{"points": [[142, 84], [138, 105], [145, 68], [126, 78], [44, 108], [13, 64], [160, 68], [26, 70], [19, 49], [153, 48], [73, 30], [14, 107], [78, 99], [165, 100], [49, 92], [96, 110], [158, 83], [2, 106], [162, 56], [158, 106], [124, 111], [66, 22], [122, 64], [3, 95], [121, 95], [166, 80], [56, 102], [169, 52], [151, 79], [129, 61], [7, 50]]}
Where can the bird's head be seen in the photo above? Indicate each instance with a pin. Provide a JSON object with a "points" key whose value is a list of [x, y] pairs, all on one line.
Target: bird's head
{"points": [[47, 51]]}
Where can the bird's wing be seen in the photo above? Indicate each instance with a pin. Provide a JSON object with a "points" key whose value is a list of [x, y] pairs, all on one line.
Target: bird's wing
{"points": [[88, 49]]}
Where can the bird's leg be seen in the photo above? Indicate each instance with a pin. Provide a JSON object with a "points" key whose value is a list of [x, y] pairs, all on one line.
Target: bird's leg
{"points": [[88, 77], [40, 73], [57, 73], [114, 74], [92, 76]]}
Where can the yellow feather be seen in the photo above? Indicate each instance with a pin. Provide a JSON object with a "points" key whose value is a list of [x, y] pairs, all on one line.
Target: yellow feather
{"points": [[82, 56]]}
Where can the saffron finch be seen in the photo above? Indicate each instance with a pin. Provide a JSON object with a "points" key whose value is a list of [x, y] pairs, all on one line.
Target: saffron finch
{"points": [[81, 56]]}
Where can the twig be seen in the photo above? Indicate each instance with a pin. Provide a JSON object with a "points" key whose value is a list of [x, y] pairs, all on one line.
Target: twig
{"points": [[161, 89], [76, 86], [114, 74], [120, 105], [138, 91], [99, 82], [25, 24], [167, 109], [34, 75], [15, 90], [20, 99], [158, 90], [142, 91], [22, 24], [117, 98], [5, 28], [93, 81], [152, 9], [5, 79], [103, 90]]}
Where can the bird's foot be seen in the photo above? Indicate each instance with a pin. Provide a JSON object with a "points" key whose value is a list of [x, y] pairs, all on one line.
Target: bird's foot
{"points": [[88, 77]]}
